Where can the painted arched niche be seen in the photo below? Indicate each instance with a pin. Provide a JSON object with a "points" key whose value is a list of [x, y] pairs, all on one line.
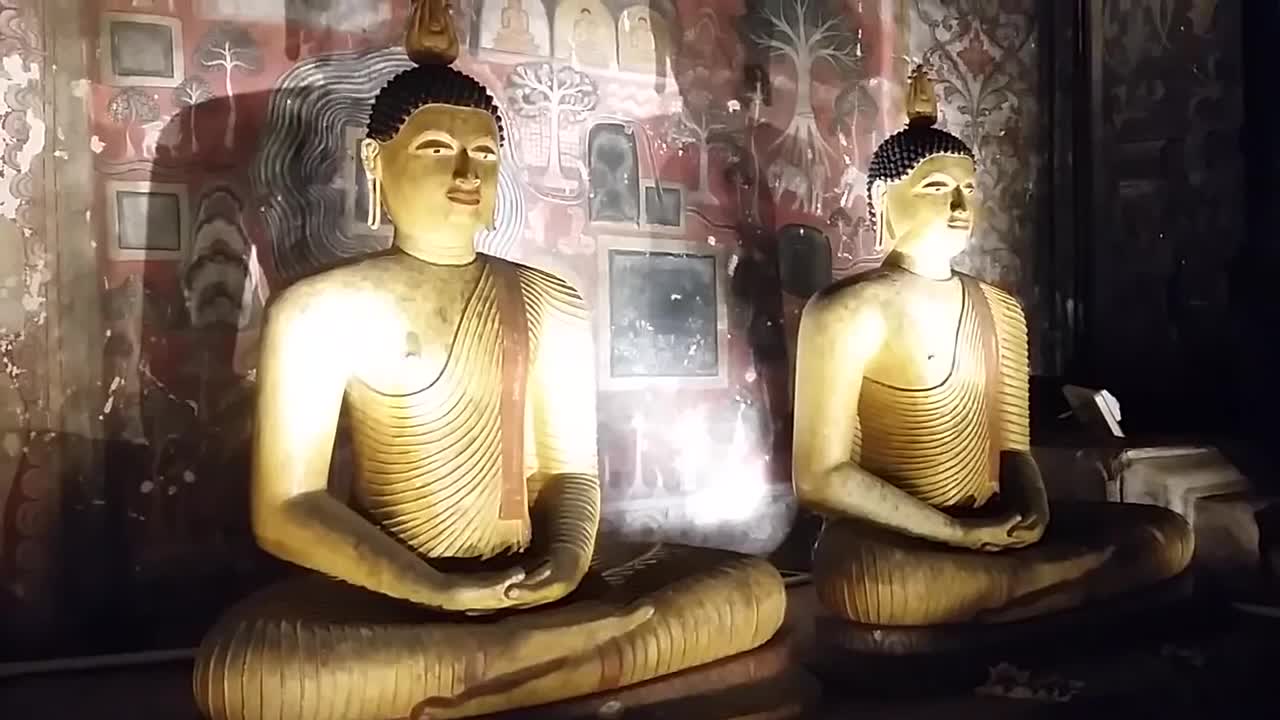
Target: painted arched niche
{"points": [[612, 167], [804, 260], [517, 26], [644, 41], [585, 34]]}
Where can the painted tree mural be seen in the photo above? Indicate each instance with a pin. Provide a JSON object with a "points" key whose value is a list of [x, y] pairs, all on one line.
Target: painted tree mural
{"points": [[857, 130], [192, 92], [229, 48], [130, 107], [559, 94], [704, 126], [706, 72], [805, 33]]}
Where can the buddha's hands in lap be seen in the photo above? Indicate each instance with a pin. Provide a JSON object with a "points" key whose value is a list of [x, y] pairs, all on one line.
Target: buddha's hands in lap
{"points": [[993, 534], [549, 579], [1020, 482], [1031, 525], [480, 593]]}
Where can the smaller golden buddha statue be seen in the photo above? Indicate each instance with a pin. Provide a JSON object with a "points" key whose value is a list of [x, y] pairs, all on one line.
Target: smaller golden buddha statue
{"points": [[468, 386], [513, 34], [912, 434]]}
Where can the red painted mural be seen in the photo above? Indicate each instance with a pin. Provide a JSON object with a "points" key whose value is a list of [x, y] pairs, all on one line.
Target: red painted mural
{"points": [[696, 168]]}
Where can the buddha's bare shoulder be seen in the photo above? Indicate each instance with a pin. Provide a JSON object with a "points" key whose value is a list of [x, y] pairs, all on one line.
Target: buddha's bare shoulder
{"points": [[335, 292], [860, 296]]}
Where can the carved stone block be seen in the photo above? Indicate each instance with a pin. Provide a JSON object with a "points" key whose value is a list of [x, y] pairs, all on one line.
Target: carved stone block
{"points": [[1174, 477], [1229, 549]]}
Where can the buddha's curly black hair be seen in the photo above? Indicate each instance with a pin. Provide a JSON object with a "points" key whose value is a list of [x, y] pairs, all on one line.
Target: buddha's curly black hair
{"points": [[901, 153], [425, 85]]}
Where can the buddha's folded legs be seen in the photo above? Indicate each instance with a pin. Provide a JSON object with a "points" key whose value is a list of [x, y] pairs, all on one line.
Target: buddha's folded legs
{"points": [[1090, 551], [315, 648]]}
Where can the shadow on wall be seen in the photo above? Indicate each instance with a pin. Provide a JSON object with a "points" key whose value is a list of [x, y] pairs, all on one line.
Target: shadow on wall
{"points": [[147, 555], [189, 264]]}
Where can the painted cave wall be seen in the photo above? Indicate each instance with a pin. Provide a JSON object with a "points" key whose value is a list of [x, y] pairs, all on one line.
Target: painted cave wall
{"points": [[697, 160]]}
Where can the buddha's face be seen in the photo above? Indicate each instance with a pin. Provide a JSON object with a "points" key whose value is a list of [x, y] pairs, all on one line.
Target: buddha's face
{"points": [[931, 211], [440, 172]]}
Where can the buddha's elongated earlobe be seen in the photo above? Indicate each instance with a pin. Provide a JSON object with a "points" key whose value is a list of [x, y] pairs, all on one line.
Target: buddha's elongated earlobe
{"points": [[369, 157], [374, 218], [876, 201]]}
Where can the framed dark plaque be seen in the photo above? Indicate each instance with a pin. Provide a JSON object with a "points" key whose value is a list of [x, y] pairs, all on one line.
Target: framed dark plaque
{"points": [[148, 221], [142, 50], [662, 318], [663, 208]]}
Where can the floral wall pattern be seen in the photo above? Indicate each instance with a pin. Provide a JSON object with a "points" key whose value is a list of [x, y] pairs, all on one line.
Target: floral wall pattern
{"points": [[987, 63]]}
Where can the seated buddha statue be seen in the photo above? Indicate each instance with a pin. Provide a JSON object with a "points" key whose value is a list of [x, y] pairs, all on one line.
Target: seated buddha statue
{"points": [[464, 575], [912, 433]]}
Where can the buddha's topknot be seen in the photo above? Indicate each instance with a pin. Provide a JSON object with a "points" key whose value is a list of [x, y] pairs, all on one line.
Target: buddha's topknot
{"points": [[426, 85], [902, 152]]}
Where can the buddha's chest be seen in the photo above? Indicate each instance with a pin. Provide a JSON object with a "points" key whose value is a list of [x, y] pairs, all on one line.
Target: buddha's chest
{"points": [[405, 357], [412, 346], [921, 343]]}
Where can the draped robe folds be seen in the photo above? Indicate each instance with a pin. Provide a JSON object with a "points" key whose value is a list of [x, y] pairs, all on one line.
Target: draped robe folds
{"points": [[442, 468]]}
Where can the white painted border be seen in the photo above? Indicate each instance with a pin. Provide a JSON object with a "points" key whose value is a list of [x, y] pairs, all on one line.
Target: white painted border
{"points": [[109, 75]]}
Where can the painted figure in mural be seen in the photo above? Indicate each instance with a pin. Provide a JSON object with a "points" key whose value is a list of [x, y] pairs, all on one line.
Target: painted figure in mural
{"points": [[514, 34], [642, 36], [642, 41], [589, 40], [912, 432], [467, 383]]}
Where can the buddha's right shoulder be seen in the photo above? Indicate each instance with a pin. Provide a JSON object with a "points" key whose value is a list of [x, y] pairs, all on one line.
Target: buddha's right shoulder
{"points": [[323, 294], [852, 297]]}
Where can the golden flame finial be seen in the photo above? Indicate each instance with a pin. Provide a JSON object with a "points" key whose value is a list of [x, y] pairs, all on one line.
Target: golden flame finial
{"points": [[430, 38], [922, 102]]}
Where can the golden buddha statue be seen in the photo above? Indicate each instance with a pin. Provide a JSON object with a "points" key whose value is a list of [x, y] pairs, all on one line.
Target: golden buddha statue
{"points": [[468, 385], [912, 434]]}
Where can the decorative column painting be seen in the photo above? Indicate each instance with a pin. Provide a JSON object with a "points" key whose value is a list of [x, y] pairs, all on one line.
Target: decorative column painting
{"points": [[697, 168], [30, 497]]}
